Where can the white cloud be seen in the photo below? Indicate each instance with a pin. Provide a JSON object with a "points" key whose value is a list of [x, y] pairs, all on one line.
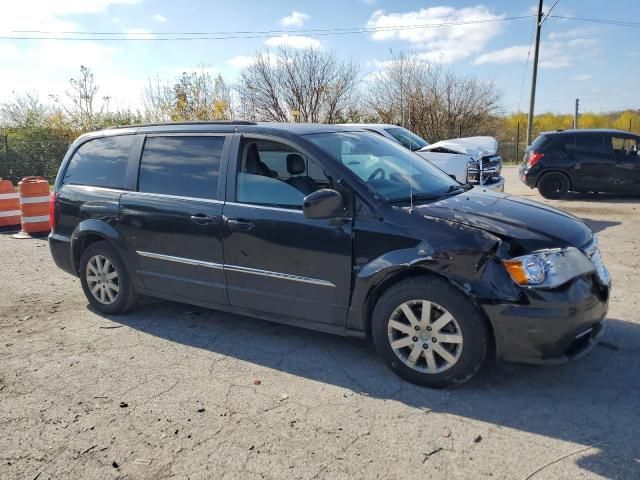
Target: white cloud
{"points": [[581, 77], [137, 33], [573, 33], [296, 19], [23, 62], [516, 53], [47, 15], [293, 41], [558, 50], [160, 18], [241, 61], [582, 42], [440, 43]]}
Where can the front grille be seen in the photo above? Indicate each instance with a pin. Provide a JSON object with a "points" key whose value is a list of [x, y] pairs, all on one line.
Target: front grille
{"points": [[491, 162]]}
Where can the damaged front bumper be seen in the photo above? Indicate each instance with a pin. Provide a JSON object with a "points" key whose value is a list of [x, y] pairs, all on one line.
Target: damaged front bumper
{"points": [[551, 326]]}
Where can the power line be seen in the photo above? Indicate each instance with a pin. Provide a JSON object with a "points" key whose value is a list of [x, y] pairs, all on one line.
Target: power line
{"points": [[549, 11], [290, 32], [190, 36], [621, 23], [526, 66]]}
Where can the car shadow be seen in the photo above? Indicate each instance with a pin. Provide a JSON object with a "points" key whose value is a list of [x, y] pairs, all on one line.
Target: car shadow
{"points": [[599, 225], [593, 401], [600, 197]]}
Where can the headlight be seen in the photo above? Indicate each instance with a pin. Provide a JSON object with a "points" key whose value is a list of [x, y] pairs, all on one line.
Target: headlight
{"points": [[473, 172], [548, 268]]}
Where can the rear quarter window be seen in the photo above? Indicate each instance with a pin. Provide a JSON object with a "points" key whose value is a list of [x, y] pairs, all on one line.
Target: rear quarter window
{"points": [[101, 162], [539, 142]]}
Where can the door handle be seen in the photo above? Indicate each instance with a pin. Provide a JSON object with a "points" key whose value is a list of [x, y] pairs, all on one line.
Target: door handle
{"points": [[202, 219], [240, 225]]}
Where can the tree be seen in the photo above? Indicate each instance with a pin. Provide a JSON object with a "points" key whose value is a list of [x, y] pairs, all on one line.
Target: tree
{"points": [[157, 97], [431, 99], [26, 111], [306, 85], [193, 96], [83, 95]]}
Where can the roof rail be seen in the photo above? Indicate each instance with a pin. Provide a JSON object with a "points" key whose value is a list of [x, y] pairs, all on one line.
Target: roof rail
{"points": [[193, 122]]}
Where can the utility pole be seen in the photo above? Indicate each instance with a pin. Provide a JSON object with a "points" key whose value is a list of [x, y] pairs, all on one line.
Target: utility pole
{"points": [[534, 77], [575, 115]]}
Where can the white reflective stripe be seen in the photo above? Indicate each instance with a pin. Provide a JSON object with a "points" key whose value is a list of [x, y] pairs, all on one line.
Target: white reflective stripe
{"points": [[26, 200], [41, 218], [10, 213], [4, 196]]}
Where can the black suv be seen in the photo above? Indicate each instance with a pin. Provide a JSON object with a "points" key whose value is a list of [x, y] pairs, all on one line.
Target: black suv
{"points": [[583, 161], [330, 228]]}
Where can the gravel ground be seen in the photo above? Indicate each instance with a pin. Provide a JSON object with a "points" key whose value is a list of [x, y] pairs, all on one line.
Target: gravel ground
{"points": [[171, 390]]}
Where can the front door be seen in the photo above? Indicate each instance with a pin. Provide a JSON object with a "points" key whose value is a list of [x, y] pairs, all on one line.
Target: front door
{"points": [[174, 221], [624, 153], [276, 260], [594, 168]]}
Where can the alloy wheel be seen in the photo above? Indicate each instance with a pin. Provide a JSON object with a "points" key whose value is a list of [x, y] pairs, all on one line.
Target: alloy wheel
{"points": [[425, 336], [102, 279]]}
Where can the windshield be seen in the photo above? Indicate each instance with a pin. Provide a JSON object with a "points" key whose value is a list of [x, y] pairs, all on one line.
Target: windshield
{"points": [[387, 168], [407, 138]]}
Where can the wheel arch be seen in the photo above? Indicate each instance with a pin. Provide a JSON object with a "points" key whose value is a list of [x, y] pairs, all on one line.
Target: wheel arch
{"points": [[88, 232], [397, 276]]}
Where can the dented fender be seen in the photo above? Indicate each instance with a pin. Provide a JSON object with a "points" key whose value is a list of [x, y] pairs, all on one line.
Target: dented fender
{"points": [[468, 258]]}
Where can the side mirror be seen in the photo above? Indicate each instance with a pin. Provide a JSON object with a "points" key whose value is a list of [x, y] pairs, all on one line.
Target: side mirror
{"points": [[323, 203]]}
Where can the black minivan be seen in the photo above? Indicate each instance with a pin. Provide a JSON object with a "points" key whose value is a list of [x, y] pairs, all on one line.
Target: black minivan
{"points": [[330, 228], [585, 160]]}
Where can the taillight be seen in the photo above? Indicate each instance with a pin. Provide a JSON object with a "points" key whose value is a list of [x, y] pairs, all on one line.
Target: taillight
{"points": [[52, 209], [534, 157]]}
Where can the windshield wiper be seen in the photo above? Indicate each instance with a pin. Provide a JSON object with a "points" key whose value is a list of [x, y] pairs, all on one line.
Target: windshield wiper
{"points": [[416, 196]]}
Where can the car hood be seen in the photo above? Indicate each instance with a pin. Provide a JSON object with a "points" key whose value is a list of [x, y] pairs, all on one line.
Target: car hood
{"points": [[475, 147], [531, 224]]}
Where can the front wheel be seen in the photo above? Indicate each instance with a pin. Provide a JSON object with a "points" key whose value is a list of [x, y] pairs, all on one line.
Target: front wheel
{"points": [[429, 333], [105, 280]]}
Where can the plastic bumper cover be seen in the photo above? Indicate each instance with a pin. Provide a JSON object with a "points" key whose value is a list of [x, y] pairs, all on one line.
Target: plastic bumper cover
{"points": [[551, 326]]}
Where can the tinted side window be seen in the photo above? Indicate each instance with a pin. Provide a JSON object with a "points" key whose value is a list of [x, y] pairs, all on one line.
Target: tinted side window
{"points": [[100, 163], [184, 166], [590, 143], [539, 142]]}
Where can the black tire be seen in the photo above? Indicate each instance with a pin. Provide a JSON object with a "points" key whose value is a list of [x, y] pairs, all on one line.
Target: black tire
{"points": [[125, 299], [553, 185], [471, 325]]}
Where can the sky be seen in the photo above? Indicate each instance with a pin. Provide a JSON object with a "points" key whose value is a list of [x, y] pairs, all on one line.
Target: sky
{"points": [[596, 62]]}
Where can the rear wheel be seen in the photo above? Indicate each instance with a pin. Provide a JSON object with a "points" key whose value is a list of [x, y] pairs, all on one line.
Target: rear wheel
{"points": [[553, 185], [429, 333], [105, 280]]}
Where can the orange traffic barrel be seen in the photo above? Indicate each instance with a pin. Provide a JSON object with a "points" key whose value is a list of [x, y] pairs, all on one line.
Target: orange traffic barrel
{"points": [[9, 204], [34, 206]]}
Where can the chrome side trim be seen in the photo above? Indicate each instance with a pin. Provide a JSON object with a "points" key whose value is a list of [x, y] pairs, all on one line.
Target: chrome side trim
{"points": [[282, 276], [187, 261], [264, 207], [133, 192], [93, 187], [177, 197], [237, 268]]}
